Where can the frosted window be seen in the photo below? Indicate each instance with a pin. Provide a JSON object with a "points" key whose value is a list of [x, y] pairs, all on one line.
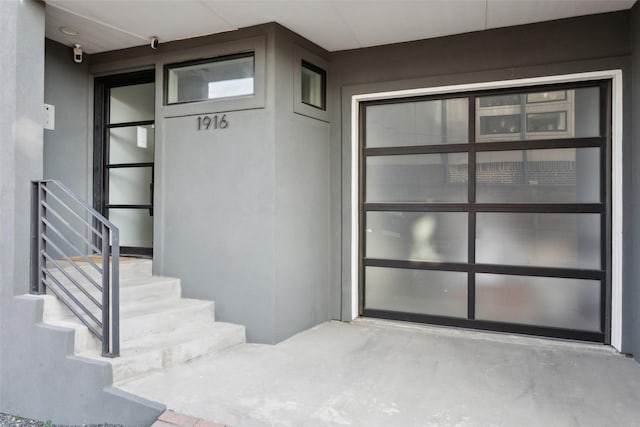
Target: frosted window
{"points": [[136, 226], [222, 77], [417, 178], [418, 123], [417, 236], [133, 144], [540, 301], [130, 186], [566, 175], [134, 103], [540, 239], [442, 293]]}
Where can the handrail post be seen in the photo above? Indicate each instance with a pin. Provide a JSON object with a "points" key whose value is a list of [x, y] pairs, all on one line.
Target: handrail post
{"points": [[37, 244], [115, 293], [34, 272], [106, 294]]}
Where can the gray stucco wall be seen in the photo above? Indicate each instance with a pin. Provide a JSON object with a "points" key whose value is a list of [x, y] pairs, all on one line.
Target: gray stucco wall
{"points": [[22, 35], [67, 148], [301, 199], [590, 43], [241, 212], [39, 377], [633, 288]]}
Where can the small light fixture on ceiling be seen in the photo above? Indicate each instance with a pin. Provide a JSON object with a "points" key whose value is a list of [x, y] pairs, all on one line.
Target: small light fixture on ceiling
{"points": [[69, 31]]}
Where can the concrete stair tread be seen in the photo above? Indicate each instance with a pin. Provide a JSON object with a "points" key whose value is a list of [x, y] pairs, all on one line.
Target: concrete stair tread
{"points": [[156, 352], [177, 336], [139, 310], [125, 285], [158, 328], [132, 290], [165, 307]]}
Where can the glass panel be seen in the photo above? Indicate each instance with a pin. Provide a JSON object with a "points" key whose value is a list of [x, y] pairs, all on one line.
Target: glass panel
{"points": [[136, 226], [135, 103], [564, 175], [499, 100], [220, 78], [417, 178], [557, 95], [549, 115], [130, 186], [313, 90], [133, 144], [547, 122], [541, 301], [539, 239], [441, 293], [490, 125], [418, 123], [417, 236]]}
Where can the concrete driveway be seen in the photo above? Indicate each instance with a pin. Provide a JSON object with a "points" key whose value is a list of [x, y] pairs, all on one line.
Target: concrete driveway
{"points": [[379, 373]]}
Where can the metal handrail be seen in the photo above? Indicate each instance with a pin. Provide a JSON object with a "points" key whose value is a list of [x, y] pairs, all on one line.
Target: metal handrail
{"points": [[54, 208]]}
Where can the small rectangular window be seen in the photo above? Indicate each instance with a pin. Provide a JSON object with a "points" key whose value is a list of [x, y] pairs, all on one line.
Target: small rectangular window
{"points": [[313, 85], [216, 78]]}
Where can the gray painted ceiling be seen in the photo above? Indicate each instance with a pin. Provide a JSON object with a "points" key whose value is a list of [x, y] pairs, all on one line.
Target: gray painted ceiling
{"points": [[333, 24]]}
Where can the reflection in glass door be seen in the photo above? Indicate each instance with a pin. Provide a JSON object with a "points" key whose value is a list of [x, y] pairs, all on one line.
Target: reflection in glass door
{"points": [[123, 157]]}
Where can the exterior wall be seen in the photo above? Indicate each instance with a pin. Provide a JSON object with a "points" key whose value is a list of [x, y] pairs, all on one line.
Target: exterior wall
{"points": [[67, 148], [22, 29], [590, 43], [38, 377], [301, 198], [216, 194], [632, 324], [242, 212]]}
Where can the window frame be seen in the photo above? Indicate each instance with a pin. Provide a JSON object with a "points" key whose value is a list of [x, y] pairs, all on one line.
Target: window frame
{"points": [[257, 45], [604, 140], [172, 66]]}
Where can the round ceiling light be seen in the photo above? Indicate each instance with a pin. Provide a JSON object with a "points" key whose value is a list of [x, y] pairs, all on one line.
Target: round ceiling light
{"points": [[69, 31]]}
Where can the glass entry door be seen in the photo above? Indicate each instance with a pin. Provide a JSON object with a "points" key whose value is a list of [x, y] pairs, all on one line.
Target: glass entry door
{"points": [[489, 210], [124, 155]]}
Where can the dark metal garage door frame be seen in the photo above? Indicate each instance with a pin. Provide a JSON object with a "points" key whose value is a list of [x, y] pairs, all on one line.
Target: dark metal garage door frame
{"points": [[603, 142]]}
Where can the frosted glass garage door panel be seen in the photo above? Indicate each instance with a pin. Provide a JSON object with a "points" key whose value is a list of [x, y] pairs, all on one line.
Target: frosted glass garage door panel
{"points": [[563, 175], [539, 301], [417, 236], [442, 293], [418, 123], [417, 178], [540, 239], [135, 225]]}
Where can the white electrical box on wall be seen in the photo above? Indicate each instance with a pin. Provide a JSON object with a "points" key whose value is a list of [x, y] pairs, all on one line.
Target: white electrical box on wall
{"points": [[49, 117]]}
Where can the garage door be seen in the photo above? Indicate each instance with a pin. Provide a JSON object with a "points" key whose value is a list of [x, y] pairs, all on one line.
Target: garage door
{"points": [[489, 210]]}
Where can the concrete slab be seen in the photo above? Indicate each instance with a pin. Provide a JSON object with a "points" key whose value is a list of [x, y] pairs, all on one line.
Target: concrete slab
{"points": [[378, 373]]}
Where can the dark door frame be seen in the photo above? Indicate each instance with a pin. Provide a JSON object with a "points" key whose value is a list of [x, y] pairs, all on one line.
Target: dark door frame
{"points": [[102, 86]]}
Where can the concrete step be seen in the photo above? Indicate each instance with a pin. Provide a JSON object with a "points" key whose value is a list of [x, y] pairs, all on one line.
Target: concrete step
{"points": [[158, 328], [157, 352], [137, 321], [136, 291], [128, 270]]}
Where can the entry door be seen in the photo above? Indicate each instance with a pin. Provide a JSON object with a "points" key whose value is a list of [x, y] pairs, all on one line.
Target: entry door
{"points": [[489, 210], [124, 157]]}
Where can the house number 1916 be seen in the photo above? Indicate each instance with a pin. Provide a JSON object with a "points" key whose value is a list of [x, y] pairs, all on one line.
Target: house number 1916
{"points": [[213, 122]]}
